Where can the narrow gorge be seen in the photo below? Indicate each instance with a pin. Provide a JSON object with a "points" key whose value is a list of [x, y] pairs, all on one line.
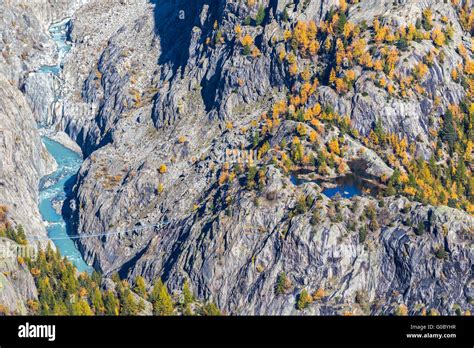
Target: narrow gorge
{"points": [[55, 189]]}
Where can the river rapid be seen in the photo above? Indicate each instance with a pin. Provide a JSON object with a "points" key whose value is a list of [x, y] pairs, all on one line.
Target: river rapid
{"points": [[55, 188]]}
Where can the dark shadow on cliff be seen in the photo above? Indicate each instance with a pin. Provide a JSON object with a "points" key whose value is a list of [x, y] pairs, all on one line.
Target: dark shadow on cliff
{"points": [[126, 268], [174, 22]]}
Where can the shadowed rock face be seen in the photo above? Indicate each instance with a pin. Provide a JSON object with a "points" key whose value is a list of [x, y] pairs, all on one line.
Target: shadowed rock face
{"points": [[17, 285], [23, 159], [140, 78], [174, 23]]}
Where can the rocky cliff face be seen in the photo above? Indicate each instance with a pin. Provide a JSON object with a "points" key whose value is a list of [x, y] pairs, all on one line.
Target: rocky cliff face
{"points": [[27, 101], [17, 285], [24, 159], [165, 84], [156, 92]]}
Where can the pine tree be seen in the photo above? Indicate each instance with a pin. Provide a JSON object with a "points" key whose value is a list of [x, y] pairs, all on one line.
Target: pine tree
{"points": [[260, 15], [332, 76], [448, 133], [362, 234], [395, 178], [211, 309], [255, 139], [285, 16], [20, 237], [155, 292], [97, 301], [247, 42], [390, 191], [283, 284], [45, 292], [378, 130], [60, 309], [427, 20], [341, 23], [432, 165], [140, 287], [96, 277], [420, 229], [188, 298], [116, 278], [418, 24], [129, 305], [315, 218], [461, 172], [81, 307], [110, 303], [162, 302], [304, 300], [187, 294], [251, 174], [45, 310], [402, 44]]}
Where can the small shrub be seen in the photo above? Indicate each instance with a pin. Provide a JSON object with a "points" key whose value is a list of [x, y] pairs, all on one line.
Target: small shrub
{"points": [[260, 16], [163, 169], [315, 218], [362, 234], [420, 229], [401, 310], [441, 254], [318, 294], [283, 284], [304, 300]]}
